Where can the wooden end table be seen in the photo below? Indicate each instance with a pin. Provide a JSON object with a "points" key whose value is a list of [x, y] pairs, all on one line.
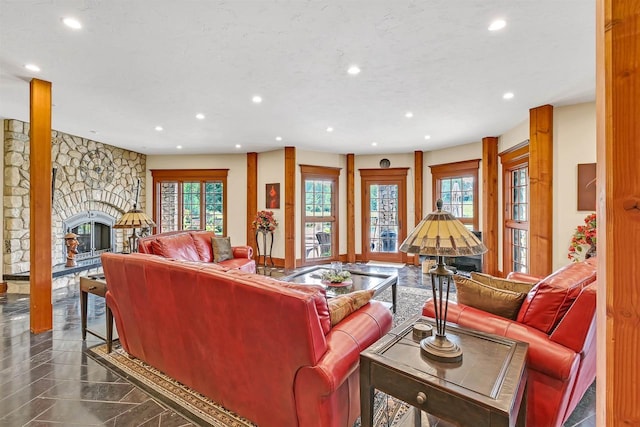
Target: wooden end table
{"points": [[487, 388], [95, 285]]}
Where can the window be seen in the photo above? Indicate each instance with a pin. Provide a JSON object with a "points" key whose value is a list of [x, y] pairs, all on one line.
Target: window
{"points": [[457, 185], [192, 199], [320, 207], [515, 166]]}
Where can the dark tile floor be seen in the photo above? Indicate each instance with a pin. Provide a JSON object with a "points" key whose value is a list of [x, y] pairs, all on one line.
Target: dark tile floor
{"points": [[48, 380]]}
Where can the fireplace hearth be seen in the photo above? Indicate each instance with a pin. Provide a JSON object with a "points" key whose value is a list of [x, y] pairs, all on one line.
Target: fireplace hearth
{"points": [[95, 233]]}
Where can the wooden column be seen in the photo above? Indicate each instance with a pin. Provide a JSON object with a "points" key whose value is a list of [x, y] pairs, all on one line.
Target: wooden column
{"points": [[418, 176], [41, 315], [290, 207], [618, 189], [541, 190], [252, 198], [490, 204], [351, 209]]}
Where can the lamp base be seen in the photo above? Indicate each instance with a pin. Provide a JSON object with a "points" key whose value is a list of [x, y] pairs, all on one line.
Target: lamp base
{"points": [[439, 348]]}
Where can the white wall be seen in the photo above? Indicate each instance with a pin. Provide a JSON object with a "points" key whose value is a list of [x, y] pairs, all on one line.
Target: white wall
{"points": [[236, 183], [574, 141]]}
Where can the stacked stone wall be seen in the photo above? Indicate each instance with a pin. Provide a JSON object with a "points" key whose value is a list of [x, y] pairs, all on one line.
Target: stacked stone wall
{"points": [[89, 175]]}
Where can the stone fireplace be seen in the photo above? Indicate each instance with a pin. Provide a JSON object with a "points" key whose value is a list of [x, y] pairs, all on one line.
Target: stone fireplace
{"points": [[93, 186]]}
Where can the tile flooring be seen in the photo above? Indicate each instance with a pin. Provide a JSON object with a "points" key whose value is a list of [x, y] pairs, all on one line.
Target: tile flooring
{"points": [[48, 380]]}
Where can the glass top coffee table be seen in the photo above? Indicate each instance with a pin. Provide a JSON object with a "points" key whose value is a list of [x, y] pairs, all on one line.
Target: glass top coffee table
{"points": [[362, 280]]}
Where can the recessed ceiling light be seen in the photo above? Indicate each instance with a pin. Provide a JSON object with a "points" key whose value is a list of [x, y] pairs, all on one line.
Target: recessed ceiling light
{"points": [[238, 146], [278, 138], [427, 137], [408, 114], [329, 129], [498, 24], [374, 144], [159, 128], [72, 23], [32, 67], [507, 95], [93, 131], [179, 147], [200, 116], [354, 70], [257, 99]]}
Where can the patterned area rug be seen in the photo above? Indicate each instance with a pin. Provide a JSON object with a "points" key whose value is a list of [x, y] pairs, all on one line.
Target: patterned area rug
{"points": [[388, 412]]}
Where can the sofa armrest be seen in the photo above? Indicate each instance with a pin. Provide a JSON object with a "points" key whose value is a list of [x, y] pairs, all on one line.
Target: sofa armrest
{"points": [[523, 277], [577, 327], [242, 252], [345, 342], [544, 355]]}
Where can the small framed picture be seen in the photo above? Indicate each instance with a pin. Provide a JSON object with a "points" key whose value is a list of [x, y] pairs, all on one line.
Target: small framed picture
{"points": [[273, 196]]}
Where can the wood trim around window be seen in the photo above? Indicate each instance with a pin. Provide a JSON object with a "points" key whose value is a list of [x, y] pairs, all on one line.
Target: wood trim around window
{"points": [[454, 170], [188, 175], [516, 159]]}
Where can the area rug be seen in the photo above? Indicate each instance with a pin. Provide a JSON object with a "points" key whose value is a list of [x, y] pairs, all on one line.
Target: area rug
{"points": [[202, 411]]}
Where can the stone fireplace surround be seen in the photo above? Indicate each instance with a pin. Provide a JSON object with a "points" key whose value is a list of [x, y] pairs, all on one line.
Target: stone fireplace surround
{"points": [[90, 177]]}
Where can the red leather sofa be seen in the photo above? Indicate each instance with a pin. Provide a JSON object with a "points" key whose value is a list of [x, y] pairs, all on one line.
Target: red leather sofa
{"points": [[194, 245], [557, 319], [262, 348]]}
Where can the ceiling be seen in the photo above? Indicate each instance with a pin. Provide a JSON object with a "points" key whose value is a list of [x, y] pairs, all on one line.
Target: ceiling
{"points": [[140, 64]]}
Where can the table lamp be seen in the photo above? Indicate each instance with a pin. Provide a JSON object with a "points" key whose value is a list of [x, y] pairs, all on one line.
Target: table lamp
{"points": [[440, 234], [134, 218]]}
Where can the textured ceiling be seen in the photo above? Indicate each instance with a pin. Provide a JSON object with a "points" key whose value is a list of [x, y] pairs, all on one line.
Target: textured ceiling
{"points": [[138, 64]]}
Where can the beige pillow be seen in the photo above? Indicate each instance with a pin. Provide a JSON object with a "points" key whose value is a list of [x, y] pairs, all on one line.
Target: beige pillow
{"points": [[501, 302], [342, 306], [500, 283], [221, 248]]}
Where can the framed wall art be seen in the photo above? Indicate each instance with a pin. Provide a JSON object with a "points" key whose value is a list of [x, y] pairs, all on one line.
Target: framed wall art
{"points": [[586, 186], [273, 196]]}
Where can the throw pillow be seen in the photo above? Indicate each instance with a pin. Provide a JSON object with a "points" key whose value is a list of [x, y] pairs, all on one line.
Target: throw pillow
{"points": [[221, 249], [500, 302], [500, 283], [342, 306]]}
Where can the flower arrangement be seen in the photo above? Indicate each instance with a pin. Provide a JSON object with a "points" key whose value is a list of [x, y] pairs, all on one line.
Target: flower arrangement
{"points": [[583, 242], [265, 221], [334, 276]]}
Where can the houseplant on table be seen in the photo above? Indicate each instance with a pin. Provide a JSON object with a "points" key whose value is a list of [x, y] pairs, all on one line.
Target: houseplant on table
{"points": [[583, 242], [265, 221]]}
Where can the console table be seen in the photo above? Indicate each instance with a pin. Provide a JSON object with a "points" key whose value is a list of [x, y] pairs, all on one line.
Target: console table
{"points": [[487, 388], [95, 285]]}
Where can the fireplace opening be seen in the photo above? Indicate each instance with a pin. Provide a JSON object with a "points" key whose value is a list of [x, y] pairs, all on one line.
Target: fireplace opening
{"points": [[95, 233]]}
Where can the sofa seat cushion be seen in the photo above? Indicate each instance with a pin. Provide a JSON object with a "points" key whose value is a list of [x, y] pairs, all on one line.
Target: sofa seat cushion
{"points": [[501, 302], [548, 301], [178, 246], [243, 264]]}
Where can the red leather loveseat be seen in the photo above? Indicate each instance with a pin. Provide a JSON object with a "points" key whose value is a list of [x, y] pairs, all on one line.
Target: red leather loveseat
{"points": [[194, 245], [557, 319], [262, 348]]}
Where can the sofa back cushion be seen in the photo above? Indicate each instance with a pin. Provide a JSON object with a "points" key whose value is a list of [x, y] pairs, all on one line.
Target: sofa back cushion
{"points": [[202, 242], [178, 246], [549, 300], [501, 302]]}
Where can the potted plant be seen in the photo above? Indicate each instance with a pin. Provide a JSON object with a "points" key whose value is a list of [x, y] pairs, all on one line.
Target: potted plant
{"points": [[264, 222], [583, 242]]}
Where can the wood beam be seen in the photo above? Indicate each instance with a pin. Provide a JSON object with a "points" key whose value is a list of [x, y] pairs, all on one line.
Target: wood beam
{"points": [[351, 209], [40, 274], [418, 179], [541, 190], [290, 207], [618, 210], [490, 204], [252, 199]]}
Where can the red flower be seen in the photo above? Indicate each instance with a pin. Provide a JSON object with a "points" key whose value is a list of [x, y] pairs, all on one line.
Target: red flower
{"points": [[265, 221], [583, 242]]}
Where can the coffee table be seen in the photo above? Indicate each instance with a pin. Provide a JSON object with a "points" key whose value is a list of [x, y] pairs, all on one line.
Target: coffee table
{"points": [[487, 388], [362, 280]]}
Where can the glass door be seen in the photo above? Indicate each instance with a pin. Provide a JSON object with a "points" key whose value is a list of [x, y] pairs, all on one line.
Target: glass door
{"points": [[383, 211]]}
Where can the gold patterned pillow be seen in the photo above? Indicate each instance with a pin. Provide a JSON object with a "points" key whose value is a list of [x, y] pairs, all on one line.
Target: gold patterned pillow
{"points": [[342, 306], [501, 302], [221, 249], [500, 283]]}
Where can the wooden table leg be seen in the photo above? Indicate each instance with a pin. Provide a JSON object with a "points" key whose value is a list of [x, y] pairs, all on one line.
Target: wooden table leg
{"points": [[109, 329], [83, 313], [394, 296], [366, 394]]}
